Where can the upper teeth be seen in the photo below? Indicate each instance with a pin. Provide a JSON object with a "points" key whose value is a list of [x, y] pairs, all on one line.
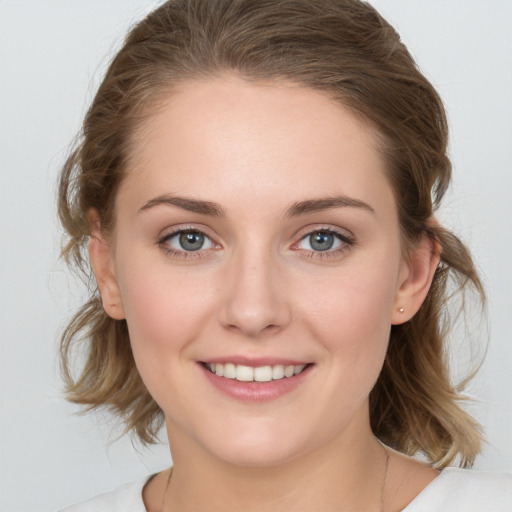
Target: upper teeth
{"points": [[258, 374]]}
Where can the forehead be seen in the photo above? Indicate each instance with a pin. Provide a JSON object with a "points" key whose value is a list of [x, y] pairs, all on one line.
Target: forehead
{"points": [[227, 136]]}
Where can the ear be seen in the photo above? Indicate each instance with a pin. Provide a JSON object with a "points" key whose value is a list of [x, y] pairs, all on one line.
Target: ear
{"points": [[101, 256], [416, 275]]}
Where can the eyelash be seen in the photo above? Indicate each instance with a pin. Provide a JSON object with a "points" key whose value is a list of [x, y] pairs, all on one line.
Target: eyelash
{"points": [[163, 243], [346, 242]]}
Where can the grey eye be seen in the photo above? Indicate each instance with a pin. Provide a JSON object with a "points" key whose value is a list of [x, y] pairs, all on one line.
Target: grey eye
{"points": [[320, 241], [189, 241]]}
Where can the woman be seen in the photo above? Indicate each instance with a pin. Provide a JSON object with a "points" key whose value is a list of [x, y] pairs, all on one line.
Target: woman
{"points": [[255, 185]]}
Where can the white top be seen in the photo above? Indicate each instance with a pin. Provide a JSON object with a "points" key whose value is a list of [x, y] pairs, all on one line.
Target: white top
{"points": [[454, 490]]}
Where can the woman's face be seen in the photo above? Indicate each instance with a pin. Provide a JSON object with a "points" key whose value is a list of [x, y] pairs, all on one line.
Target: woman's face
{"points": [[257, 236]]}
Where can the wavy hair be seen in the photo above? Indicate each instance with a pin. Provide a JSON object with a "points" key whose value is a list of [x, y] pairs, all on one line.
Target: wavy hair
{"points": [[346, 50]]}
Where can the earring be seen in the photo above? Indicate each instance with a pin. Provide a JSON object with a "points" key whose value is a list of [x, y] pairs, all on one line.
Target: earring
{"points": [[401, 310]]}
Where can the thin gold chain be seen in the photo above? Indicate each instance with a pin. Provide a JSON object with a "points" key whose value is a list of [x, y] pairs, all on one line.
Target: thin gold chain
{"points": [[386, 453], [162, 507]]}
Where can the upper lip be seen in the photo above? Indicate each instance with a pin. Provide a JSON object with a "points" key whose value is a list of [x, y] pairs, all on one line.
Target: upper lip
{"points": [[255, 362]]}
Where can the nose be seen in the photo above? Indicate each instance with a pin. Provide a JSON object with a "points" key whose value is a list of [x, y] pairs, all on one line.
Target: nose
{"points": [[255, 302]]}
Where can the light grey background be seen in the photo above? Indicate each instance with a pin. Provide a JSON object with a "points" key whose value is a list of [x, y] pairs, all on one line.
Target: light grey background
{"points": [[52, 55]]}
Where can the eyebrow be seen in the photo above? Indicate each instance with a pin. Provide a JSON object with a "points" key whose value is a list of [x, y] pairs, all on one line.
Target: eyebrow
{"points": [[315, 205], [186, 203], [297, 209]]}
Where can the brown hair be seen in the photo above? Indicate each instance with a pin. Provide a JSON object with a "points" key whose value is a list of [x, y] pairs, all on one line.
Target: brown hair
{"points": [[345, 49]]}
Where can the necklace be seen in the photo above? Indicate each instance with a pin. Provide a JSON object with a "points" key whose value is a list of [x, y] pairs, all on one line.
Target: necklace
{"points": [[162, 507], [386, 454], [383, 488]]}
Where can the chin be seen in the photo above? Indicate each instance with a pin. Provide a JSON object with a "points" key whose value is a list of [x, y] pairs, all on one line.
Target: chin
{"points": [[257, 447]]}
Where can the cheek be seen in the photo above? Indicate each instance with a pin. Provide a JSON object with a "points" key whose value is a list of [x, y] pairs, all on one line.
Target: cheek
{"points": [[164, 310], [352, 316], [165, 314]]}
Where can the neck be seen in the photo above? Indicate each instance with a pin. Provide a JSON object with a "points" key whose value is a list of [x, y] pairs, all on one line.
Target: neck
{"points": [[347, 474]]}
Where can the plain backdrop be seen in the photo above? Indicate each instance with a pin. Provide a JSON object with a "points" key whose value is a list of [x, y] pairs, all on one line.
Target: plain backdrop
{"points": [[52, 56]]}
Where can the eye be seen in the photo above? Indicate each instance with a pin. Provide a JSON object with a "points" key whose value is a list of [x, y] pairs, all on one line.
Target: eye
{"points": [[324, 240], [319, 241], [189, 240]]}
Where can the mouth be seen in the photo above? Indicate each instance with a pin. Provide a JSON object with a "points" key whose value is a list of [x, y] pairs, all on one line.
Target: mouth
{"points": [[265, 373]]}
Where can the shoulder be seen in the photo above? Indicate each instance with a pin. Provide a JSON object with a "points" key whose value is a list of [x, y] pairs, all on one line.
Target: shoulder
{"points": [[460, 490], [127, 498]]}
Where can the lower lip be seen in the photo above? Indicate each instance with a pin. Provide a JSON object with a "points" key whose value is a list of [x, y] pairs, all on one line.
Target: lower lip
{"points": [[257, 392]]}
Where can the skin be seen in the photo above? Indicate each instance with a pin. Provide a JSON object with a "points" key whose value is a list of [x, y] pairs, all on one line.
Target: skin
{"points": [[257, 288]]}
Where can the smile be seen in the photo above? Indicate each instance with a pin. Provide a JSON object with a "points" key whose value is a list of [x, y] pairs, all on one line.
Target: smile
{"points": [[257, 374]]}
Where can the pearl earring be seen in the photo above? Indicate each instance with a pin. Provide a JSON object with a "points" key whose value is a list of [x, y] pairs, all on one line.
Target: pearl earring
{"points": [[401, 310]]}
